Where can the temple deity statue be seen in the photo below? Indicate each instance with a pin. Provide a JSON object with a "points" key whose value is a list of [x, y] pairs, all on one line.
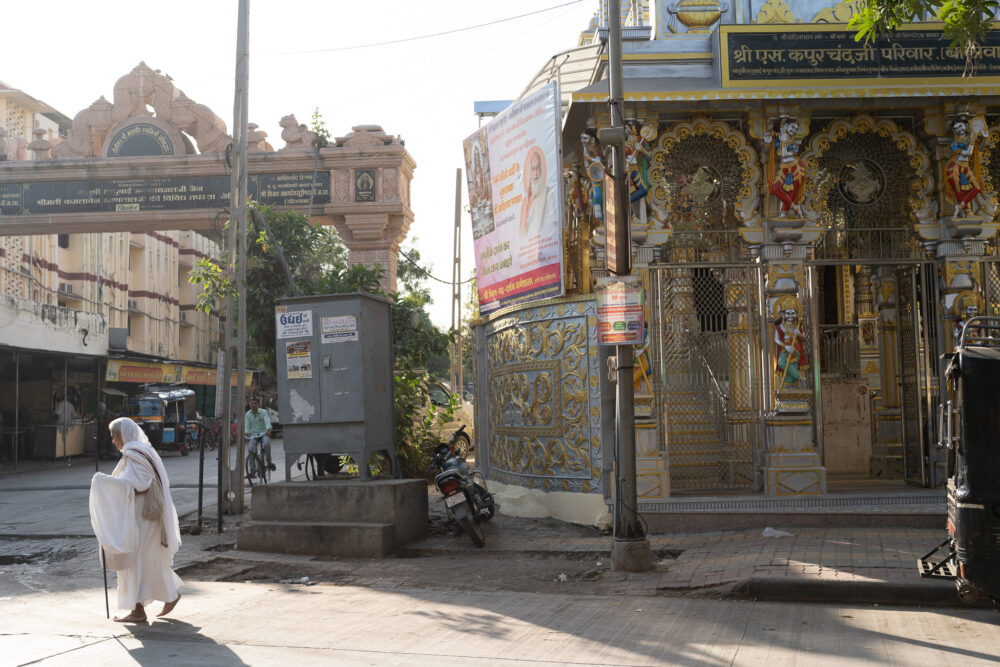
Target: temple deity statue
{"points": [[593, 164], [791, 359], [963, 187], [789, 174], [967, 305], [637, 166]]}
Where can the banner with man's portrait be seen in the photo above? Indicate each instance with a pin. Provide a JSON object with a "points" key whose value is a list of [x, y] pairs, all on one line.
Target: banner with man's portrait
{"points": [[513, 169]]}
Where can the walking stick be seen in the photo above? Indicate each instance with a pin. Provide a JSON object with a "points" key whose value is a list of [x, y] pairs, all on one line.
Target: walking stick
{"points": [[104, 566]]}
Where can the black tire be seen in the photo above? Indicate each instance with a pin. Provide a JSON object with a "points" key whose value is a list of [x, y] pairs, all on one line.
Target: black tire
{"points": [[472, 528], [265, 472], [462, 445], [192, 443], [251, 467]]}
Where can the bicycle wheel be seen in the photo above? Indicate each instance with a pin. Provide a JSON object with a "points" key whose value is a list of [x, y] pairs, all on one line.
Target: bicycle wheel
{"points": [[263, 470], [251, 467], [191, 443]]}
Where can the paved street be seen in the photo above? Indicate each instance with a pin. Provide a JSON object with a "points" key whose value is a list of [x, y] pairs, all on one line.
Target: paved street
{"points": [[255, 624], [539, 593]]}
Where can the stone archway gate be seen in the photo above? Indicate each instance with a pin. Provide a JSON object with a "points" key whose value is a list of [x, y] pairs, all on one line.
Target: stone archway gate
{"points": [[132, 166]]}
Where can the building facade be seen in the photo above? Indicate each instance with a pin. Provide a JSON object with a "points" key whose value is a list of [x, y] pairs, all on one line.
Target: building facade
{"points": [[135, 192], [813, 220]]}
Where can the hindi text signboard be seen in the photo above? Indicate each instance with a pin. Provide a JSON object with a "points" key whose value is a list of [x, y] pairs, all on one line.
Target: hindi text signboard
{"points": [[768, 54], [514, 171]]}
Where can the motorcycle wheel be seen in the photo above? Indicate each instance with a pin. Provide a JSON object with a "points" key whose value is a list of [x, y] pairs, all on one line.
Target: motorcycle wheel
{"points": [[463, 445], [473, 530]]}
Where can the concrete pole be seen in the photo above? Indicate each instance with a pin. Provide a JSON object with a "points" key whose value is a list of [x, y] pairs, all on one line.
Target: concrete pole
{"points": [[236, 312], [630, 547], [17, 404], [240, 130]]}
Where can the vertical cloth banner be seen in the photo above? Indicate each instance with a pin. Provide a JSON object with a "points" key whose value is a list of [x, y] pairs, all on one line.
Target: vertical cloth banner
{"points": [[513, 166]]}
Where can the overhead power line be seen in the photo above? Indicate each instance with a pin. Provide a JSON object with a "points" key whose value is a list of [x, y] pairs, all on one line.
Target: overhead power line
{"points": [[426, 273], [413, 39]]}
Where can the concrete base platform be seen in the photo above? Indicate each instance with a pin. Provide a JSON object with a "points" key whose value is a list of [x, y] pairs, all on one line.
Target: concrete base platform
{"points": [[341, 539], [631, 555], [345, 518]]}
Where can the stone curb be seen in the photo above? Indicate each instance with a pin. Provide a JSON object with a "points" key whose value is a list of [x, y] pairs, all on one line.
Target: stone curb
{"points": [[796, 589]]}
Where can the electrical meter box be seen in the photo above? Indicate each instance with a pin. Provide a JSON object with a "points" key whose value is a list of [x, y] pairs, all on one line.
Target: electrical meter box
{"points": [[335, 381]]}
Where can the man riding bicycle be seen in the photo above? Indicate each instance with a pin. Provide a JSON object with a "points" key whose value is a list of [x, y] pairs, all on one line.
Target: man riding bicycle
{"points": [[257, 424]]}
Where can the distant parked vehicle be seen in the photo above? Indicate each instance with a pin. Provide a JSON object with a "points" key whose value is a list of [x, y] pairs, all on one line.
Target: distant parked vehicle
{"points": [[162, 412], [461, 426]]}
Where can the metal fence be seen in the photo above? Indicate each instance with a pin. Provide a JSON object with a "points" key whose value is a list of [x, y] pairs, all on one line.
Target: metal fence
{"points": [[840, 350]]}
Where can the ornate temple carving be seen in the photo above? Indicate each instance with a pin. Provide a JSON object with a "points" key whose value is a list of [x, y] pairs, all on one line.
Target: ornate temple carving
{"points": [[143, 93], [296, 135], [704, 174], [362, 136], [775, 11]]}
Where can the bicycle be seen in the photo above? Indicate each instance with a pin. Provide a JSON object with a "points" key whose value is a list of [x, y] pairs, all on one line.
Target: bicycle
{"points": [[256, 467], [209, 433]]}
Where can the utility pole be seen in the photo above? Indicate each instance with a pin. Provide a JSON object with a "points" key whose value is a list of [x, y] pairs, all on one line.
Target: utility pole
{"points": [[456, 291], [236, 333], [630, 547]]}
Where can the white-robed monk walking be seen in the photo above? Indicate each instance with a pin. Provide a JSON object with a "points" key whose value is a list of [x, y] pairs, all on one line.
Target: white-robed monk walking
{"points": [[135, 521]]}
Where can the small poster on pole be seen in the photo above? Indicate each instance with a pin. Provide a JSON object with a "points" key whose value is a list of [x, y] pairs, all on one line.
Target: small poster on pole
{"points": [[619, 311]]}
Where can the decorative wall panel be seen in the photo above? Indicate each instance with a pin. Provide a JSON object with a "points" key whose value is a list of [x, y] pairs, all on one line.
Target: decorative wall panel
{"points": [[543, 398]]}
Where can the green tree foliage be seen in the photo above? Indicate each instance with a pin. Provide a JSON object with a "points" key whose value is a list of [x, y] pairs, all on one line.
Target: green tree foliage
{"points": [[318, 261], [966, 22]]}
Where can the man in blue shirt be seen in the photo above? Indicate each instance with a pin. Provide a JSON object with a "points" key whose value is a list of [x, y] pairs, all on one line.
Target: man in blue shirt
{"points": [[258, 425]]}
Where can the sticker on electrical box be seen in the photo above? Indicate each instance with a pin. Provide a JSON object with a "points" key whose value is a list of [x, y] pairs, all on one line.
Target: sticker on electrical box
{"points": [[294, 324], [341, 329], [299, 358]]}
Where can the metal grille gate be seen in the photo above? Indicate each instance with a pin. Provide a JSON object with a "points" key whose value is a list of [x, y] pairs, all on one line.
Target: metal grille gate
{"points": [[918, 387], [705, 327]]}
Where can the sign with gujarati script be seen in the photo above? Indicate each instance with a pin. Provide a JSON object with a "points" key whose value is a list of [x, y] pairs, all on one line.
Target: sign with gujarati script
{"points": [[152, 194], [758, 54]]}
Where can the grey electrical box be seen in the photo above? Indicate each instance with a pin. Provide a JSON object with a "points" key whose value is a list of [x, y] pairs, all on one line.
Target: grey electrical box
{"points": [[335, 379]]}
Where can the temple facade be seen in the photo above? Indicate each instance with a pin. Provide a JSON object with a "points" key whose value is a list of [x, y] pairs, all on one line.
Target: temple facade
{"points": [[813, 221]]}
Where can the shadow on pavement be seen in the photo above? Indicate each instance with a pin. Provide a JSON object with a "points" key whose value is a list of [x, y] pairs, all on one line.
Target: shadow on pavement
{"points": [[169, 641]]}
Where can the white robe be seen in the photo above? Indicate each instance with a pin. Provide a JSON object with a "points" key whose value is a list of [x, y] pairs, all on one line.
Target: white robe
{"points": [[116, 515]]}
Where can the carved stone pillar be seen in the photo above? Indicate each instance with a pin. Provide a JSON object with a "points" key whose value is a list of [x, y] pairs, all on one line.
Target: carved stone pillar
{"points": [[371, 197], [867, 319], [41, 148], [886, 461], [791, 463]]}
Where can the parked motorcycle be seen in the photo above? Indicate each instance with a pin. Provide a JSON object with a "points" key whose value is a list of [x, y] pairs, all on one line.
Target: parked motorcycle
{"points": [[466, 498]]}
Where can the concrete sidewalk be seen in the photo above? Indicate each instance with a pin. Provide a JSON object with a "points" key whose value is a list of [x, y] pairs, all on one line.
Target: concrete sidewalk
{"points": [[823, 561]]}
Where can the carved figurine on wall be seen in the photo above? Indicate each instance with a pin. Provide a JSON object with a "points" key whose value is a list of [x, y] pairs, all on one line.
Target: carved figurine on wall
{"points": [[792, 361], [788, 178], [968, 304], [637, 166], [593, 163], [963, 185]]}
